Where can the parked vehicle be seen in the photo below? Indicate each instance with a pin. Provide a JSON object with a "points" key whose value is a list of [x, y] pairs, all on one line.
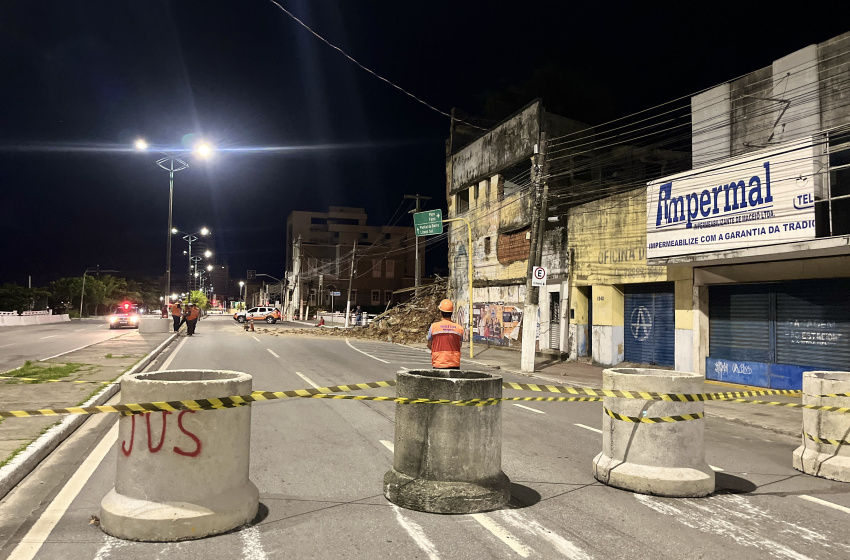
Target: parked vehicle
{"points": [[268, 314]]}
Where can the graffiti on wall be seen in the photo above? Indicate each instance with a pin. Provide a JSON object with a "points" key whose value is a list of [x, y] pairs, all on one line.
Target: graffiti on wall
{"points": [[496, 323], [187, 452]]}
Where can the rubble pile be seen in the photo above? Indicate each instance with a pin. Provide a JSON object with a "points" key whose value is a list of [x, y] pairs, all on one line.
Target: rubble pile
{"points": [[405, 323]]}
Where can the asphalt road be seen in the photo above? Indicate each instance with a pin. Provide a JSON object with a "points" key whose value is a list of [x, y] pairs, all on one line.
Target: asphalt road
{"points": [[319, 465], [37, 342]]}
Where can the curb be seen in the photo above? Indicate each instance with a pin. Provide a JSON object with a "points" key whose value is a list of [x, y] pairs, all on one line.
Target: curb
{"points": [[24, 463]]}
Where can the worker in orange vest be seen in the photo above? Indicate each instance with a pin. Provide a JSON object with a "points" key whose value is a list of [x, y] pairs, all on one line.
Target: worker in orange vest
{"points": [[444, 339], [192, 318], [176, 313]]}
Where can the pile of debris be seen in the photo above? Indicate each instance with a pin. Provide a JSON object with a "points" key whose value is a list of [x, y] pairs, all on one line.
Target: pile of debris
{"points": [[405, 323]]}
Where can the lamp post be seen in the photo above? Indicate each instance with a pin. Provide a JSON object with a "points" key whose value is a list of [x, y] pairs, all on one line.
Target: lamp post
{"points": [[190, 238], [172, 164], [241, 283], [83, 291]]}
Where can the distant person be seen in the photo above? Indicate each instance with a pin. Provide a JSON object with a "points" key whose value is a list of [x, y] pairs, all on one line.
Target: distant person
{"points": [[321, 322], [358, 314], [444, 339], [177, 314], [192, 318]]}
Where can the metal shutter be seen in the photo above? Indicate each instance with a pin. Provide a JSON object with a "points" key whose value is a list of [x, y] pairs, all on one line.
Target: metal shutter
{"points": [[739, 323], [555, 320], [813, 323], [649, 330]]}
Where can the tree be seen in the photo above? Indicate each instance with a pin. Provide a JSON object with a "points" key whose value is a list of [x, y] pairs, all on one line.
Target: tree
{"points": [[64, 294], [199, 298], [20, 299]]}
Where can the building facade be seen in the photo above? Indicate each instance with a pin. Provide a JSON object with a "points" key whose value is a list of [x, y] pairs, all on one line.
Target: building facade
{"points": [[757, 234], [320, 250]]}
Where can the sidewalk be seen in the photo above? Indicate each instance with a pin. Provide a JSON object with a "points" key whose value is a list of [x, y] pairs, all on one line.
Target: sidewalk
{"points": [[103, 361], [787, 421]]}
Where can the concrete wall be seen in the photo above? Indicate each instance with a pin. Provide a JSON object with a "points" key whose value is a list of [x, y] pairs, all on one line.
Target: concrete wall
{"points": [[833, 61], [607, 337], [26, 320], [711, 119]]}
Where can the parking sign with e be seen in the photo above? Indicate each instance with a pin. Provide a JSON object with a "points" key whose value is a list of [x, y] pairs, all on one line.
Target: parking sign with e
{"points": [[538, 276]]}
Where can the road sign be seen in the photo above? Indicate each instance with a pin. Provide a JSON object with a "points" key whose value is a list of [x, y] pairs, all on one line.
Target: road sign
{"points": [[538, 276], [428, 223], [335, 294]]}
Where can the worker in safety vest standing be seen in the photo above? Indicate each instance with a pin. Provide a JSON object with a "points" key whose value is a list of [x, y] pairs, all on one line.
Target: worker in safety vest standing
{"points": [[176, 313], [192, 318], [444, 339]]}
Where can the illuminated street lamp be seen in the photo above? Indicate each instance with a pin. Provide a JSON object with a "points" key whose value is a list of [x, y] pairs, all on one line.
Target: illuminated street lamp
{"points": [[191, 237], [172, 164]]}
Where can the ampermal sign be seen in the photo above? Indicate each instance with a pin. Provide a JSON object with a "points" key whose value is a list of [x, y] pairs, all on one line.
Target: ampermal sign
{"points": [[763, 198]]}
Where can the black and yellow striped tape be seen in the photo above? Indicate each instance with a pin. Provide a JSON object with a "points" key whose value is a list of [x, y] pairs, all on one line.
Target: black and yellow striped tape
{"points": [[648, 396], [657, 420], [839, 409], [826, 440]]}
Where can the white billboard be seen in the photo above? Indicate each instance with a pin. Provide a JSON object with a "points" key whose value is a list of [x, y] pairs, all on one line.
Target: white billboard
{"points": [[763, 198]]}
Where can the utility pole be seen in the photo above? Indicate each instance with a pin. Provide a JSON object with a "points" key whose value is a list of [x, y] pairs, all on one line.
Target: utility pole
{"points": [[296, 267], [532, 296], [350, 279], [418, 277]]}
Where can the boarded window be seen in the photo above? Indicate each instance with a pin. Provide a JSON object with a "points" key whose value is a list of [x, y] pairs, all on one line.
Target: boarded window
{"points": [[513, 246], [462, 199], [390, 269], [376, 268]]}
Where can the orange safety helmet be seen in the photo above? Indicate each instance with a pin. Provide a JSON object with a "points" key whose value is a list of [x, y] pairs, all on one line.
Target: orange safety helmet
{"points": [[446, 306]]}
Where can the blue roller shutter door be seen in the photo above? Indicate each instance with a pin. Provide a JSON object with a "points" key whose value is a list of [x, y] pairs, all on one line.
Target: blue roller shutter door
{"points": [[649, 330]]}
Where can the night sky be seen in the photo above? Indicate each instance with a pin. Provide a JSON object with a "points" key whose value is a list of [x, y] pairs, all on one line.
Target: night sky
{"points": [[297, 125]]}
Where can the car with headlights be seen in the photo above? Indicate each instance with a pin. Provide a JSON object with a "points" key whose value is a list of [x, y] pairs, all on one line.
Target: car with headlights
{"points": [[125, 315], [268, 314]]}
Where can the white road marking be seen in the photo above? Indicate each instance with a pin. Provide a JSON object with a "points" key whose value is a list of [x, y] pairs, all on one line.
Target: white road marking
{"points": [[737, 519], [40, 531], [564, 546], [389, 445], [109, 544], [597, 430], [255, 338], [529, 408], [51, 336], [305, 378], [502, 534], [80, 348], [173, 354], [364, 353], [5, 345], [252, 546], [715, 469], [824, 503], [416, 533], [272, 353]]}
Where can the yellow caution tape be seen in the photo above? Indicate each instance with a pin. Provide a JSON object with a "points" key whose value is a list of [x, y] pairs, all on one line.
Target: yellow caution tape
{"points": [[647, 396], [657, 420], [840, 409], [826, 440]]}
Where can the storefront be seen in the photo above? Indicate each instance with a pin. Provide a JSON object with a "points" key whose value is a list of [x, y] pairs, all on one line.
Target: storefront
{"points": [[650, 324], [769, 334]]}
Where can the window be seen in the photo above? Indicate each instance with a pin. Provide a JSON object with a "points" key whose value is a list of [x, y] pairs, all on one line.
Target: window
{"points": [[388, 296], [353, 298], [376, 268], [475, 190], [390, 269], [462, 200], [487, 246], [312, 297], [376, 297], [514, 246]]}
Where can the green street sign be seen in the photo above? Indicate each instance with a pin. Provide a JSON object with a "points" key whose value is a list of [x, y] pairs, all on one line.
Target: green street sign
{"points": [[428, 223]]}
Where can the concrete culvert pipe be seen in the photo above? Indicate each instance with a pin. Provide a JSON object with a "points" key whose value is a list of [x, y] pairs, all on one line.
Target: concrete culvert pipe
{"points": [[183, 474], [664, 458], [448, 458], [825, 451]]}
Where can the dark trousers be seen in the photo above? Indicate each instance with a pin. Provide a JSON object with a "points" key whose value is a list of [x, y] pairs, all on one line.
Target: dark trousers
{"points": [[176, 321], [190, 326]]}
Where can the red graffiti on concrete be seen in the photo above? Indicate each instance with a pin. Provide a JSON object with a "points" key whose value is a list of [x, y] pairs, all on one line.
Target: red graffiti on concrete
{"points": [[128, 450]]}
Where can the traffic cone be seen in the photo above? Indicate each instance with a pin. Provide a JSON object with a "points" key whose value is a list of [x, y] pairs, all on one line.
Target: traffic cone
{"points": [[252, 324]]}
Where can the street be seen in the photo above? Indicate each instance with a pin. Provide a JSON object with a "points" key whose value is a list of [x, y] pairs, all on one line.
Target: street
{"points": [[38, 342], [319, 466]]}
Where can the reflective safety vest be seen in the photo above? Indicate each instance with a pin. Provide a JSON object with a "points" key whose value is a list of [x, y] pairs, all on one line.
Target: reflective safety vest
{"points": [[175, 309], [194, 313], [445, 338]]}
